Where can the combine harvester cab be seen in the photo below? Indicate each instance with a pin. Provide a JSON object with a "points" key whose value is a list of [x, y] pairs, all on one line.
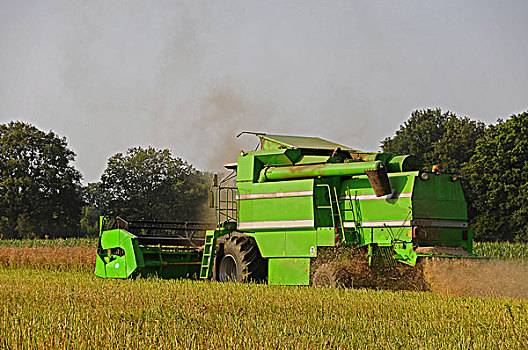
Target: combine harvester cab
{"points": [[294, 198]]}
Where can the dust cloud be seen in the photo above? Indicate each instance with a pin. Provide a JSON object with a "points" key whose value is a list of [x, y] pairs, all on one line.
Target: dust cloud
{"points": [[223, 115], [476, 277], [463, 277]]}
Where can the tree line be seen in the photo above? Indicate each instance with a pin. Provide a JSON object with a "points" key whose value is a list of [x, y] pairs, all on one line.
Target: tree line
{"points": [[491, 159], [41, 192]]}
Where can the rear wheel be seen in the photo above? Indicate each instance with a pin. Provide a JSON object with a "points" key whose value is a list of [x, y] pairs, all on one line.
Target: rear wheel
{"points": [[332, 275], [238, 259]]}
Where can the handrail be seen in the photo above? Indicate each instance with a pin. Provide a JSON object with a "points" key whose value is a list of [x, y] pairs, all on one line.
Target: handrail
{"points": [[226, 204], [331, 207], [340, 217]]}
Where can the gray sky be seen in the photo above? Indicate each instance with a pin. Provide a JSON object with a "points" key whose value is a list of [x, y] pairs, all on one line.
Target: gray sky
{"points": [[189, 75]]}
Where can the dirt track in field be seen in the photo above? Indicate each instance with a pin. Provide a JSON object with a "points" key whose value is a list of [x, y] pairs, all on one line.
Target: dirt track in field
{"points": [[48, 257]]}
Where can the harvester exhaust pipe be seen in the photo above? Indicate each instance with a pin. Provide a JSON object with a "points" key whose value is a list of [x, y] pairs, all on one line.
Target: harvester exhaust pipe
{"points": [[379, 180]]}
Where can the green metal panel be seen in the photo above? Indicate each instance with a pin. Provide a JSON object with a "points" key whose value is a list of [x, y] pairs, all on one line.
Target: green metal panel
{"points": [[301, 243], [276, 209], [100, 270], [325, 236], [251, 163], [270, 243], [312, 160], [298, 243], [395, 207], [440, 209], [271, 187], [439, 198], [278, 157], [444, 236], [385, 210], [282, 204], [385, 236], [119, 266], [247, 170], [403, 163], [289, 271]]}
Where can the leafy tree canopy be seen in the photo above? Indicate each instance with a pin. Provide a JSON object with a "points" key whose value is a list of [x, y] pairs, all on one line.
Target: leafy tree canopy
{"points": [[436, 138], [150, 184], [39, 189], [498, 176]]}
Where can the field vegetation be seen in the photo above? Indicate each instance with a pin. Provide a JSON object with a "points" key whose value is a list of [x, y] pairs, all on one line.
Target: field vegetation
{"points": [[60, 254], [50, 243], [49, 298], [507, 251], [79, 253], [73, 309]]}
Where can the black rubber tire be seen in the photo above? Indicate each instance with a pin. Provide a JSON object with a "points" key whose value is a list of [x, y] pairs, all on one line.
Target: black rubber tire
{"points": [[238, 259], [332, 275]]}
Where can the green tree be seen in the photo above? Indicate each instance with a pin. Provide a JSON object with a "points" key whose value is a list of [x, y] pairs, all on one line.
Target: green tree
{"points": [[457, 145], [39, 189], [498, 176], [150, 184], [436, 138], [418, 135], [442, 139], [90, 221], [93, 201]]}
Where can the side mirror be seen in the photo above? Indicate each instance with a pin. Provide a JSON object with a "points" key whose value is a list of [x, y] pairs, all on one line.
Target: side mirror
{"points": [[211, 199], [215, 180]]}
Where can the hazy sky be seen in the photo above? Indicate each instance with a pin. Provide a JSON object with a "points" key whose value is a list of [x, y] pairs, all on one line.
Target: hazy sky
{"points": [[189, 75]]}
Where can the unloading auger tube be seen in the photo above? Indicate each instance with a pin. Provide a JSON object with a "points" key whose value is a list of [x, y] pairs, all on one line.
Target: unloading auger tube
{"points": [[297, 196]]}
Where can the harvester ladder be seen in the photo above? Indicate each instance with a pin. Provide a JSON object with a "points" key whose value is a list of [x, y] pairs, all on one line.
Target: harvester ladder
{"points": [[206, 270], [335, 213], [339, 216], [355, 209]]}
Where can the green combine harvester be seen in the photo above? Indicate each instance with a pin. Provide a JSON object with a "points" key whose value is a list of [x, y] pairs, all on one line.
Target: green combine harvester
{"points": [[293, 198]]}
